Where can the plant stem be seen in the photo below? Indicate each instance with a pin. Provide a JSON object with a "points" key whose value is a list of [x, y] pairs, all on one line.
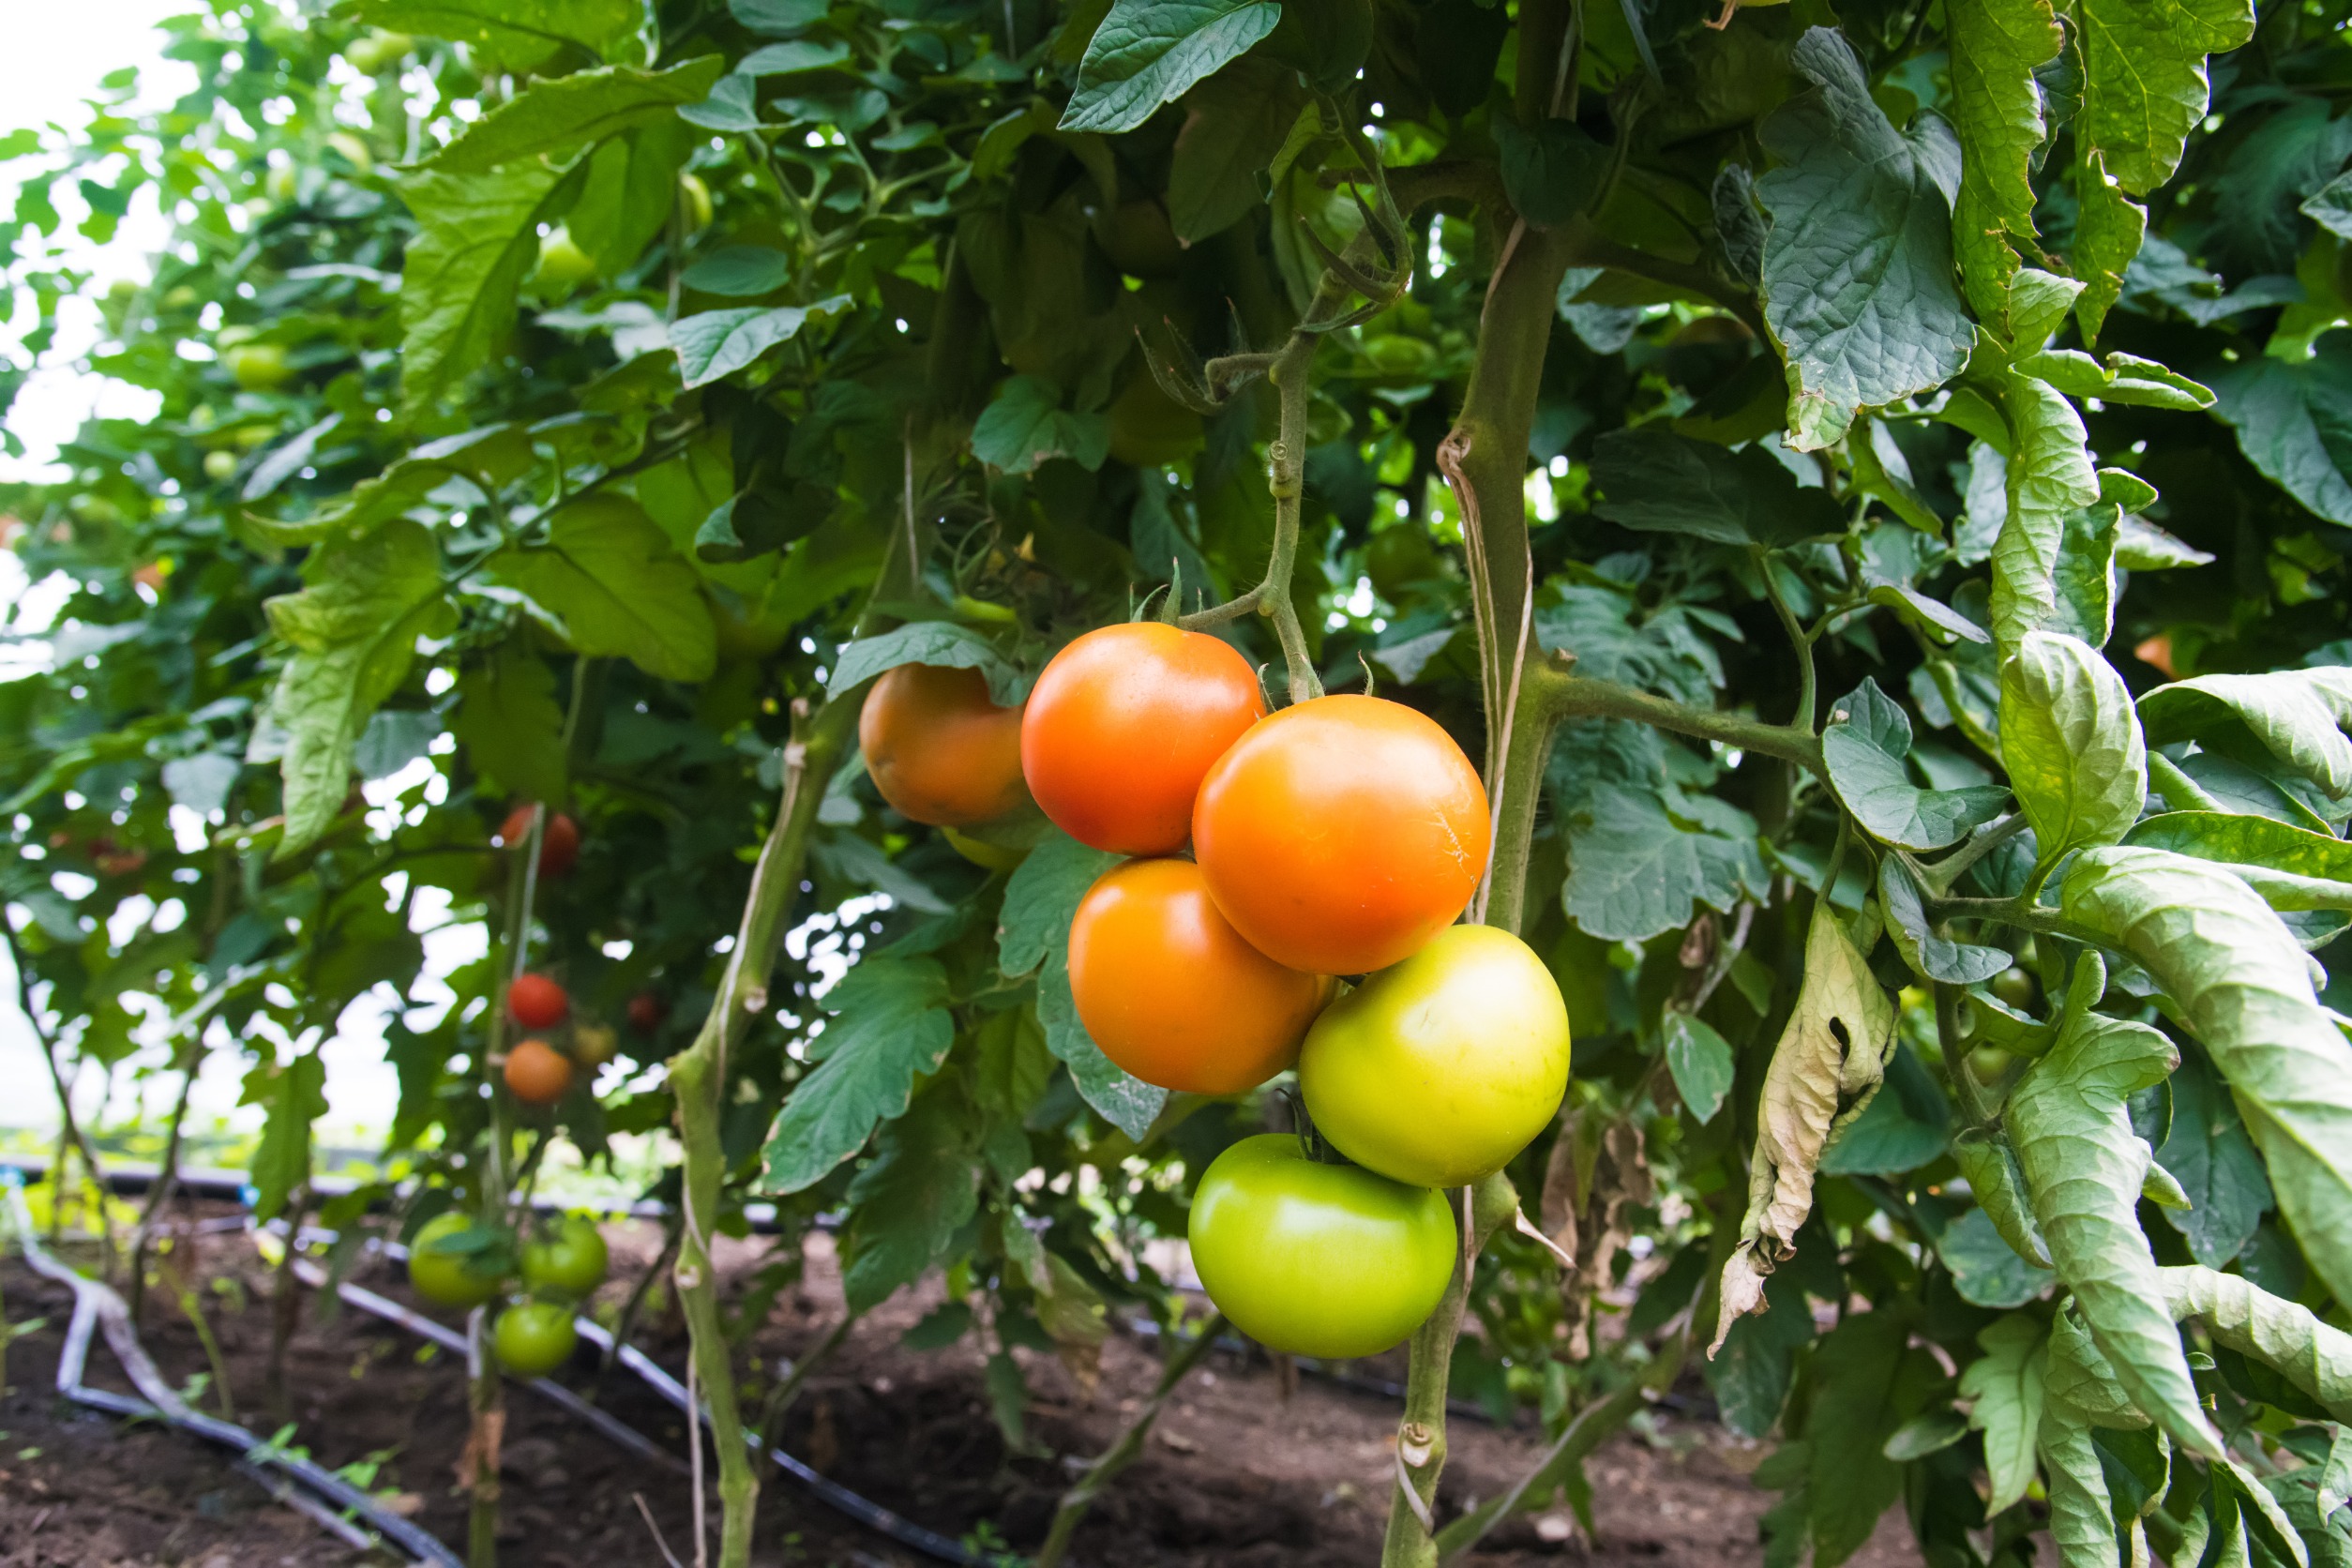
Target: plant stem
{"points": [[1126, 1450], [780, 1397], [2180, 792], [70, 1130], [285, 1311], [698, 1078], [1799, 638], [166, 1180], [624, 1328], [1940, 877], [486, 1433]]}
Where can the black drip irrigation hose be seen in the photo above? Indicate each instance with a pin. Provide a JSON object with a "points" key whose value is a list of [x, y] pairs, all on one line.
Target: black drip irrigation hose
{"points": [[97, 1309]]}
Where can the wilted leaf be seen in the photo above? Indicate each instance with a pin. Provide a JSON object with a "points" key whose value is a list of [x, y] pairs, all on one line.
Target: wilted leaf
{"points": [[1997, 110], [2285, 1336]]}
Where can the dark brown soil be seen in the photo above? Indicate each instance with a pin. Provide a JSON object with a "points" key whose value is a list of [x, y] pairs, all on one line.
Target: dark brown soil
{"points": [[1235, 1476]]}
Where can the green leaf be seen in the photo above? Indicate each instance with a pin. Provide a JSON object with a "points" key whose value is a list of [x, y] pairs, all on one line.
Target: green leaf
{"points": [[1858, 275], [608, 574], [2071, 742], [511, 725], [2297, 714], [477, 238], [515, 32], [2125, 378], [714, 343], [2287, 417], [2209, 1155], [1923, 1435], [1653, 481], [296, 1096], [2083, 1167], [1870, 1380], [1640, 863], [940, 643], [1996, 45], [1025, 425], [890, 1026], [1905, 1125], [2145, 86], [1235, 124], [778, 17], [1148, 52], [1986, 1269], [923, 1185], [1749, 1371], [2006, 1386], [2244, 990], [739, 271], [1700, 1061], [1033, 937], [2140, 546], [2285, 1336], [1832, 1053], [2108, 237], [552, 118], [1864, 747], [631, 190], [2247, 844], [783, 59], [1551, 171], [2082, 1512], [353, 631], [1998, 1186], [1935, 958], [2050, 477]]}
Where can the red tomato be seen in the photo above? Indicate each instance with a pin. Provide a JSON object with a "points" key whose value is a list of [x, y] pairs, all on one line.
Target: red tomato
{"points": [[1340, 835], [1173, 993], [538, 1074], [938, 751], [558, 841], [1122, 726], [646, 1011], [536, 1002]]}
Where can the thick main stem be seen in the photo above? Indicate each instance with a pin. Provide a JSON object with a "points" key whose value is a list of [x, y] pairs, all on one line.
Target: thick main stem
{"points": [[698, 1078]]}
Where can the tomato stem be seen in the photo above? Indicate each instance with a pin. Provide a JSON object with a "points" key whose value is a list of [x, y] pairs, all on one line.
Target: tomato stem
{"points": [[1127, 1449]]}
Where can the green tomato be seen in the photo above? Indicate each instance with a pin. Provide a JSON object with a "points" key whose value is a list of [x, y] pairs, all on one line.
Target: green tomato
{"points": [[259, 367], [567, 1256], [219, 465], [451, 1274], [534, 1339], [375, 51], [1314, 1260], [1438, 1069], [562, 265], [2014, 987]]}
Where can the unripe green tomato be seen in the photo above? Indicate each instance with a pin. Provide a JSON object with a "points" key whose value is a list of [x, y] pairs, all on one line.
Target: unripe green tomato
{"points": [[259, 367], [182, 298], [534, 1339], [2014, 987], [377, 50], [280, 183], [1314, 1260], [567, 1256], [1438, 1069], [697, 201], [562, 265], [988, 856], [354, 151], [449, 1276], [1398, 556], [219, 465]]}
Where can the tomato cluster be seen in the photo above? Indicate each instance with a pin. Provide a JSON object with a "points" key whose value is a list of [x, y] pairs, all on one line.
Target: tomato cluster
{"points": [[453, 1262], [1342, 837]]}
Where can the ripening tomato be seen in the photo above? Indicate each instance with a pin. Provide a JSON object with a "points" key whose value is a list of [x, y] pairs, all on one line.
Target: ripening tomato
{"points": [[1314, 1260], [1340, 835], [538, 1074], [536, 1001], [534, 1339], [1173, 993], [452, 1263], [568, 1256], [1122, 726], [646, 1011], [558, 841], [594, 1043], [938, 751], [1437, 1070]]}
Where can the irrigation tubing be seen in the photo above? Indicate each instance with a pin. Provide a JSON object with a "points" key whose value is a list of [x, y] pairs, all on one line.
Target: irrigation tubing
{"points": [[97, 1309]]}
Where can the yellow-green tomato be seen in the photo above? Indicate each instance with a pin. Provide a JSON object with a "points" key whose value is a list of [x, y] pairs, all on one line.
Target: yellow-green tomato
{"points": [[1438, 1069], [448, 1271], [1314, 1260], [219, 465], [534, 1339], [562, 265], [697, 201], [259, 367], [567, 1256]]}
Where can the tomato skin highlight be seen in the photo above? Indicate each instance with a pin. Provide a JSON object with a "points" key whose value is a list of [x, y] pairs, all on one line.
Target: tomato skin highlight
{"points": [[567, 1256], [1171, 992], [536, 1001], [1123, 726], [446, 1275], [1438, 1070], [1342, 834], [938, 751], [538, 1074], [1314, 1260], [534, 1339]]}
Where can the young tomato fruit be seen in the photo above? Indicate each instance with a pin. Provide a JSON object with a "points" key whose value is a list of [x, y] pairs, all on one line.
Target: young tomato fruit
{"points": [[534, 1339], [1173, 993], [538, 1074], [447, 1274], [567, 1256], [558, 841], [938, 751], [1340, 835], [536, 1002], [1438, 1070], [1123, 725], [1316, 1260]]}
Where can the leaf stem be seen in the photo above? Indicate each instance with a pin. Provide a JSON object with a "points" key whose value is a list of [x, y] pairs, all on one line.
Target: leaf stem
{"points": [[1127, 1449], [1567, 696], [1799, 638], [1940, 877]]}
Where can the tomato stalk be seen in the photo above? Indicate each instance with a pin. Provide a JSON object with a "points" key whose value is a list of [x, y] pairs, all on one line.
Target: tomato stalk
{"points": [[1126, 1450]]}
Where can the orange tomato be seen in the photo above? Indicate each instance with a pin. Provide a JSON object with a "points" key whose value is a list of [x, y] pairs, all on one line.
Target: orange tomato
{"points": [[1122, 727], [1340, 835], [538, 1074], [1173, 993], [938, 751]]}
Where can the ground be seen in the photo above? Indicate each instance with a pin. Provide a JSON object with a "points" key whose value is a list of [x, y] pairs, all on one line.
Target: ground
{"points": [[1237, 1475]]}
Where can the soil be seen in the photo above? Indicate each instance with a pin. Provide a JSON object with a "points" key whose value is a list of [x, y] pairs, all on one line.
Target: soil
{"points": [[1239, 1473]]}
